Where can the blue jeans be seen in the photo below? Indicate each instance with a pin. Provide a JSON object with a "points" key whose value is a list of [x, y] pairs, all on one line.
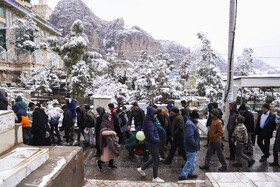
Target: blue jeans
{"points": [[137, 128], [190, 164], [80, 130]]}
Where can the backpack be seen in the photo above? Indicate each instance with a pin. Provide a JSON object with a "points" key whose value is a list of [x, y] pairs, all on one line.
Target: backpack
{"points": [[54, 120], [123, 119], [161, 131]]}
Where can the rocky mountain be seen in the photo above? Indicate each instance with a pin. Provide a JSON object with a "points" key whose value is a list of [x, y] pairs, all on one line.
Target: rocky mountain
{"points": [[128, 42], [263, 68]]}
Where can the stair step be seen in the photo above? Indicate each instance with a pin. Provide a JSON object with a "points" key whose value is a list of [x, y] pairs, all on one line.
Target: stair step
{"points": [[19, 163], [120, 183]]}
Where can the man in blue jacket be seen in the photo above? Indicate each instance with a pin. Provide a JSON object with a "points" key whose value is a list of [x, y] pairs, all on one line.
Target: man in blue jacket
{"points": [[264, 129], [191, 142]]}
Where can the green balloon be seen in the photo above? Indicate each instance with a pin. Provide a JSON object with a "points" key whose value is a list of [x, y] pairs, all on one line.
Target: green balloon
{"points": [[140, 136]]}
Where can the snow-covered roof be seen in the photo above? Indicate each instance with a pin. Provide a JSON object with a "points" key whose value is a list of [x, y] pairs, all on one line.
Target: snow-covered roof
{"points": [[258, 81], [38, 19], [258, 76]]}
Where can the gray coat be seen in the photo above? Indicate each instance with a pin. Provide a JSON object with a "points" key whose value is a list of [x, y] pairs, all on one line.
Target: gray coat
{"points": [[231, 121]]}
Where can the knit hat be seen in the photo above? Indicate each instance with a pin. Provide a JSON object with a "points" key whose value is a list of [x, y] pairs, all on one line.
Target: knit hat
{"points": [[175, 110], [240, 119], [87, 107], [194, 114], [215, 112], [266, 106], [242, 107], [135, 104]]}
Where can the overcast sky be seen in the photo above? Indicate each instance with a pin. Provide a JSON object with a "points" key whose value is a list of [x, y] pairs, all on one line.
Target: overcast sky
{"points": [[180, 20]]}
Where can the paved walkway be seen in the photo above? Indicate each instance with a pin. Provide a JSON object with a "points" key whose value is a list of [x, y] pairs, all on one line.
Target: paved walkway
{"points": [[243, 179], [127, 168]]}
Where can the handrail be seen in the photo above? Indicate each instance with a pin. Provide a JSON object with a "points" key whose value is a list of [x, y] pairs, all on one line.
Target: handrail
{"points": [[11, 92], [25, 99]]}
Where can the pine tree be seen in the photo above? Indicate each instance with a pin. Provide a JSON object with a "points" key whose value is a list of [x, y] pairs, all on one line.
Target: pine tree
{"points": [[245, 62], [111, 59], [74, 47], [152, 80], [80, 79], [185, 68], [24, 33], [208, 76], [42, 79]]}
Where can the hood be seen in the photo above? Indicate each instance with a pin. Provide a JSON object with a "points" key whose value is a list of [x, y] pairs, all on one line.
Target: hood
{"points": [[169, 106], [151, 111], [234, 106], [18, 99], [3, 95], [100, 110], [17, 109]]}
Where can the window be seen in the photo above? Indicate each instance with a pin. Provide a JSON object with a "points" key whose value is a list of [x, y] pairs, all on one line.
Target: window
{"points": [[3, 38], [43, 33], [2, 11]]}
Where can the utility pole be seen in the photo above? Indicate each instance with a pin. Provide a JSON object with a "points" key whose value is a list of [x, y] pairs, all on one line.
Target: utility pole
{"points": [[229, 89]]}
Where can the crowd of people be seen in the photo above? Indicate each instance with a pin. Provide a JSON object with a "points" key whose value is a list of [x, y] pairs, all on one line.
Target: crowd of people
{"points": [[159, 127]]}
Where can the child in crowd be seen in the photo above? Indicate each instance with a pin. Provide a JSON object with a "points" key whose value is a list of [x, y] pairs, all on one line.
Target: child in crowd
{"points": [[240, 135]]}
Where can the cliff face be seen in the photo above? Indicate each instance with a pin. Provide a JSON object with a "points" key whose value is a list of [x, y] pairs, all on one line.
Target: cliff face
{"points": [[128, 42]]}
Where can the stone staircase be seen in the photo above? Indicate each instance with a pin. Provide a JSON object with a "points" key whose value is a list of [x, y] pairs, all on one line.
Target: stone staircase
{"points": [[16, 163], [22, 165]]}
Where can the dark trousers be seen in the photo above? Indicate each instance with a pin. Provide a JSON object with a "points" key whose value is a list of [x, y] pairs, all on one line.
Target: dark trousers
{"points": [[162, 147], [232, 146], [154, 159], [55, 128], [68, 134], [119, 134], [264, 143], [98, 151], [239, 153], [80, 131], [215, 146], [26, 133], [275, 154], [176, 143], [126, 135]]}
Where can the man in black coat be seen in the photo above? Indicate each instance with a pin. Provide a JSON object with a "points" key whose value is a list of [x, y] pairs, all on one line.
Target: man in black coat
{"points": [[67, 123], [177, 133], [230, 127], [138, 115], [264, 129], [185, 111], [3, 100], [250, 125], [38, 125]]}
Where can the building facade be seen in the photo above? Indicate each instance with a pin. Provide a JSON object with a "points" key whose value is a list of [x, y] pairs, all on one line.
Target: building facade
{"points": [[14, 61]]}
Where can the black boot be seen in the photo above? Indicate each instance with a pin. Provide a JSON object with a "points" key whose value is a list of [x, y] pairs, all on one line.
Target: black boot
{"points": [[111, 164], [99, 163]]}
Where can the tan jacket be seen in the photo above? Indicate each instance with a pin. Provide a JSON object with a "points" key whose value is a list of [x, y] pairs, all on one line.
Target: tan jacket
{"points": [[216, 131]]}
